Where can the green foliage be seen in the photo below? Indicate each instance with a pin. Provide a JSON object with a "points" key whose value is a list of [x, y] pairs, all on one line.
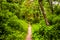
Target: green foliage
{"points": [[56, 9], [11, 27], [14, 17], [52, 32]]}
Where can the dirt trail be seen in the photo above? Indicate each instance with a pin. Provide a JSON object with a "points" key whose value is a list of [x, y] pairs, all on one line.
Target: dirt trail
{"points": [[29, 35]]}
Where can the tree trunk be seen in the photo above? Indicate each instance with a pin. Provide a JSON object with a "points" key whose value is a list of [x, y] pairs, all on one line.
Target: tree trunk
{"points": [[51, 5], [43, 12]]}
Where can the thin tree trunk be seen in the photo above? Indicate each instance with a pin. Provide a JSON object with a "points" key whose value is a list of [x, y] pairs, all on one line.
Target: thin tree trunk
{"points": [[43, 12], [58, 2], [51, 5]]}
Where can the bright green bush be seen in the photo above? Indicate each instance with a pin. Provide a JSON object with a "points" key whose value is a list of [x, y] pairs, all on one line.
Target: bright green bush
{"points": [[11, 27]]}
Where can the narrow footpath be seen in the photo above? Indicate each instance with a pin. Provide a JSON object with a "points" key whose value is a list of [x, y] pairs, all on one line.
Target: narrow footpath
{"points": [[29, 34]]}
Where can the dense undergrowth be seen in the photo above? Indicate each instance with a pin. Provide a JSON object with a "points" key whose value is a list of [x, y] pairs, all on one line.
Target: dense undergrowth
{"points": [[12, 28], [43, 32], [14, 17]]}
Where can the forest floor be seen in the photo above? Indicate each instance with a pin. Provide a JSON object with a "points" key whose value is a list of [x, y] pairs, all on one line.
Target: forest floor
{"points": [[29, 34]]}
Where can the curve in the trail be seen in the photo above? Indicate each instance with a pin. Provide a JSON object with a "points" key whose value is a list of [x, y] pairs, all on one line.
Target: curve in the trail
{"points": [[29, 33]]}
